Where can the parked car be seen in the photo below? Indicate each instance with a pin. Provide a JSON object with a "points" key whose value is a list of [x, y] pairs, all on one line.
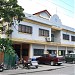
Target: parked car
{"points": [[70, 58], [49, 59]]}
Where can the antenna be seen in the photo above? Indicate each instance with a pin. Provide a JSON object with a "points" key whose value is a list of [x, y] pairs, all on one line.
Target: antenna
{"points": [[56, 10]]}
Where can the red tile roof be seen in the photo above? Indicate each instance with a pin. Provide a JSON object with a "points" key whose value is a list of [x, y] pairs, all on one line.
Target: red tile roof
{"points": [[43, 11]]}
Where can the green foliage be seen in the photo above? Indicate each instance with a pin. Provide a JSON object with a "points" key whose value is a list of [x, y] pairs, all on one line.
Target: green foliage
{"points": [[9, 31], [6, 46], [1, 28], [10, 9]]}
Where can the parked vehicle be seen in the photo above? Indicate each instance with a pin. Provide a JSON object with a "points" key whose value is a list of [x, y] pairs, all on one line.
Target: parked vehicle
{"points": [[1, 67], [33, 62], [23, 64], [26, 65], [70, 58], [49, 59]]}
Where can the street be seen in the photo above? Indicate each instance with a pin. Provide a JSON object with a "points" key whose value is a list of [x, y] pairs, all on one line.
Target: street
{"points": [[63, 71]]}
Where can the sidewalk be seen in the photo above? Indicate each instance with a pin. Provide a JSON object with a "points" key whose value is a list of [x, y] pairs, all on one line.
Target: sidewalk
{"points": [[40, 68]]}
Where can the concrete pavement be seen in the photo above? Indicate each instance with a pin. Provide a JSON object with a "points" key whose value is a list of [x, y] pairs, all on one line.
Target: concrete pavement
{"points": [[40, 68]]}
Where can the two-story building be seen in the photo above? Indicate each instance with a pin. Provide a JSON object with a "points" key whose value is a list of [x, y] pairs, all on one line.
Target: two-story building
{"points": [[40, 33]]}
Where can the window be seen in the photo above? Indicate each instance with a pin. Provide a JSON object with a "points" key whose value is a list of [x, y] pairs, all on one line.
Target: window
{"points": [[19, 28], [72, 38], [52, 37], [38, 52], [25, 29], [65, 36], [52, 51], [61, 52], [43, 32]]}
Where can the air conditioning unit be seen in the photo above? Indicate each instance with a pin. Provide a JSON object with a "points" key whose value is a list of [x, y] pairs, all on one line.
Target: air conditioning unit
{"points": [[48, 39]]}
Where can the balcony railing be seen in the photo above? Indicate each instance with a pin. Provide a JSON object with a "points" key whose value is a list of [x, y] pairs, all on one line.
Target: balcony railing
{"points": [[53, 39]]}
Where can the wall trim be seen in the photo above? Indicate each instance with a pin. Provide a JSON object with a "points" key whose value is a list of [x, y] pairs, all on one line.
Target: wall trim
{"points": [[23, 40]]}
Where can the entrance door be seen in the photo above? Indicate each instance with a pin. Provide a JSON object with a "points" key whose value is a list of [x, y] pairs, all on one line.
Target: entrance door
{"points": [[22, 50], [25, 54], [17, 49], [25, 51]]}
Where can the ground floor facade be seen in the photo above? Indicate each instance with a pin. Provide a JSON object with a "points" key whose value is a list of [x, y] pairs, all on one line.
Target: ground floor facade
{"points": [[29, 50]]}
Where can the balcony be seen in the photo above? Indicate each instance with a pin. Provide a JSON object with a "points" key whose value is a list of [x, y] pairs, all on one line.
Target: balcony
{"points": [[53, 39]]}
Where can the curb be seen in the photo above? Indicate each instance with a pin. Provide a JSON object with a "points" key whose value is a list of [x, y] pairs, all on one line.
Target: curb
{"points": [[39, 71]]}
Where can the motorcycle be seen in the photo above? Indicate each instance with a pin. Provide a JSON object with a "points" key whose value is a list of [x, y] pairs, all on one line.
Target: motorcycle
{"points": [[1, 67], [23, 64], [33, 62], [26, 65]]}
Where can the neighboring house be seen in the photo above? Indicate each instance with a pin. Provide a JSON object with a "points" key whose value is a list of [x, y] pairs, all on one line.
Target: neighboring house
{"points": [[41, 32]]}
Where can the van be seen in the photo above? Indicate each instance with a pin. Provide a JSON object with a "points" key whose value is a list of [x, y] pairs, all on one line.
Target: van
{"points": [[70, 58]]}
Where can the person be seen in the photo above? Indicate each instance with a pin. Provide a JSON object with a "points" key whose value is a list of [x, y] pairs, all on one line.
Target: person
{"points": [[23, 62]]}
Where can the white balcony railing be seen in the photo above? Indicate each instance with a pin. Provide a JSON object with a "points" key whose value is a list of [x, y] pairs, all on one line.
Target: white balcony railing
{"points": [[53, 39]]}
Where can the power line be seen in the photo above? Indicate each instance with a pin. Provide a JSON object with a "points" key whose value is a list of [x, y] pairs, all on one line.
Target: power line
{"points": [[56, 5], [60, 6], [57, 11], [66, 3]]}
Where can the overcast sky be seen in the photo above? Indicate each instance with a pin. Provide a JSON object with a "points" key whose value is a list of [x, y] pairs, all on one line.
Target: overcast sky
{"points": [[65, 9]]}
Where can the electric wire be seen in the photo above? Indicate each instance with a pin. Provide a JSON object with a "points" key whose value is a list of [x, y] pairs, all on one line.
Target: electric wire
{"points": [[59, 7], [66, 3]]}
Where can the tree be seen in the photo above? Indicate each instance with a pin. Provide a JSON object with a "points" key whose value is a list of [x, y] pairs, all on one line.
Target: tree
{"points": [[9, 10], [6, 46]]}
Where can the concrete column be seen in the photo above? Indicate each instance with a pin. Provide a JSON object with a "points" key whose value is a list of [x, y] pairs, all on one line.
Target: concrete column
{"points": [[30, 51], [66, 51], [45, 49], [74, 50], [57, 51], [21, 51]]}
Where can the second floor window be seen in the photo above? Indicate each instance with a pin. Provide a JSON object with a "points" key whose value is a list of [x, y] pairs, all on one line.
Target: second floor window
{"points": [[72, 38], [65, 36], [43, 32], [25, 29]]}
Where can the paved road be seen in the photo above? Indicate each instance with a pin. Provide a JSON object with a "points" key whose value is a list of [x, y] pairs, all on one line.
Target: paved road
{"points": [[42, 69], [63, 71]]}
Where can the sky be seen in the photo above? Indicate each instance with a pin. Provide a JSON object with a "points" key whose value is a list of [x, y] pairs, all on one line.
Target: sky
{"points": [[65, 9]]}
